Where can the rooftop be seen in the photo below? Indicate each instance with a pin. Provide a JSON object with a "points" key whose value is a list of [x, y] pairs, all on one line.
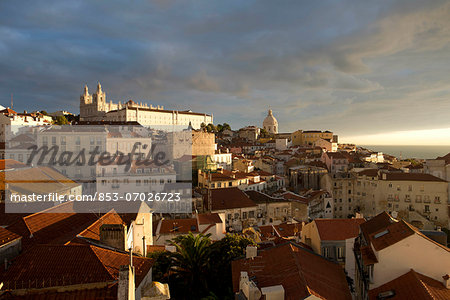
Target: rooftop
{"points": [[229, 198], [338, 229], [413, 285], [83, 264], [300, 271]]}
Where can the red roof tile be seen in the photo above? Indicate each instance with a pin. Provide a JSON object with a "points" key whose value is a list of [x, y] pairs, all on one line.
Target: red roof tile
{"points": [[7, 236], [209, 218], [298, 270], [56, 265], [50, 226], [281, 230], [108, 292], [93, 231], [412, 177], [338, 229], [173, 226], [229, 198], [413, 285]]}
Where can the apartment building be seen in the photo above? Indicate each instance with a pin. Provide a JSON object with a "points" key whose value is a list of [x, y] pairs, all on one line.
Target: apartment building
{"points": [[420, 199], [387, 248]]}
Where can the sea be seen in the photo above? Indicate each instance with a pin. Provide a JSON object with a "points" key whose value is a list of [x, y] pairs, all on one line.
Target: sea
{"points": [[410, 151]]}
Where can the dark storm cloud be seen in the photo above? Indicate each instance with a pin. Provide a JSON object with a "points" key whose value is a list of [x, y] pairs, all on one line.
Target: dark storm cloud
{"points": [[317, 64]]}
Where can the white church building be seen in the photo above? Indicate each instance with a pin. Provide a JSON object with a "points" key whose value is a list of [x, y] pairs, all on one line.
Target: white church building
{"points": [[95, 108]]}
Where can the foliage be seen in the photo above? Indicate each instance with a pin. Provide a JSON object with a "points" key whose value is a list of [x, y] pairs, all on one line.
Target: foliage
{"points": [[264, 133], [44, 112], [211, 128], [61, 120], [200, 268]]}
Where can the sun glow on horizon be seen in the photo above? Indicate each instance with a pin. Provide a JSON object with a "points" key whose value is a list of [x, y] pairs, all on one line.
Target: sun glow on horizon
{"points": [[431, 137]]}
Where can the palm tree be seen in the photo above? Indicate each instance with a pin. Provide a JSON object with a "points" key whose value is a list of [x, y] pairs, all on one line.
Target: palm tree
{"points": [[191, 264]]}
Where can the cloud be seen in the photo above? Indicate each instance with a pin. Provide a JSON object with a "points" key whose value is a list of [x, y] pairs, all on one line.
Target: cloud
{"points": [[347, 66]]}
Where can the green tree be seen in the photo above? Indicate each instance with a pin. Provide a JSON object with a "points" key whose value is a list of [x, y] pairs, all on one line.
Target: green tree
{"points": [[44, 112], [226, 126], [211, 128], [61, 120], [222, 253], [200, 268], [219, 128], [190, 264]]}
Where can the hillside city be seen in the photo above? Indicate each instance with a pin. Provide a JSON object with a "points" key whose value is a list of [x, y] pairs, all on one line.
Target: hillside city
{"points": [[260, 214]]}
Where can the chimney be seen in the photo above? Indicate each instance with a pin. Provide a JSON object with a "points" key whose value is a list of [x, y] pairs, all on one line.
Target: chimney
{"points": [[251, 252], [248, 287], [446, 281], [125, 290], [113, 235]]}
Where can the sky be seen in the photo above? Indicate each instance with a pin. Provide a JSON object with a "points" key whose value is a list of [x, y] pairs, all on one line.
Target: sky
{"points": [[373, 72]]}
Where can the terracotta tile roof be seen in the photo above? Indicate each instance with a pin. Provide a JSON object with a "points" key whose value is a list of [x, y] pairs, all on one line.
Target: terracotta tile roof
{"points": [[281, 230], [108, 292], [369, 173], [338, 229], [229, 198], [209, 218], [293, 196], [58, 265], [413, 285], [413, 177], [259, 197], [51, 226], [39, 180], [390, 235], [336, 155], [8, 111], [93, 231], [178, 226], [375, 224], [11, 164], [383, 231], [7, 236], [300, 271]]}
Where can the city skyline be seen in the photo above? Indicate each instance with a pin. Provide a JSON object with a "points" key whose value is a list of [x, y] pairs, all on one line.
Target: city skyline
{"points": [[377, 73]]}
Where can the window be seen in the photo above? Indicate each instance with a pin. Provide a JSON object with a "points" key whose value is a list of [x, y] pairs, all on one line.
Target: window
{"points": [[219, 184], [390, 185], [426, 209], [244, 215], [409, 188], [437, 199], [138, 182], [418, 198], [325, 252], [340, 252]]}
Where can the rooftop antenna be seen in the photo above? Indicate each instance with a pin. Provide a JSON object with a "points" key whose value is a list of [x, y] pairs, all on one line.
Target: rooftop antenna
{"points": [[11, 101]]}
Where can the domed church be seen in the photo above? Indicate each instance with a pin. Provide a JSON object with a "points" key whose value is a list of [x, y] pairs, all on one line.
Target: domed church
{"points": [[270, 124]]}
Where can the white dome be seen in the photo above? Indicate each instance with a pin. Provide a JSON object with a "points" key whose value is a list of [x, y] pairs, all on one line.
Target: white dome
{"points": [[270, 124]]}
